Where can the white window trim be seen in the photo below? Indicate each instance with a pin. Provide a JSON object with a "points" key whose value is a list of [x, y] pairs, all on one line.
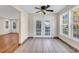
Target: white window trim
{"points": [[72, 22], [61, 23], [70, 36]]}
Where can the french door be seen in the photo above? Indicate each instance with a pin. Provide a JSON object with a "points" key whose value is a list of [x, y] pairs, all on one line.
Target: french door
{"points": [[13, 25], [42, 28]]}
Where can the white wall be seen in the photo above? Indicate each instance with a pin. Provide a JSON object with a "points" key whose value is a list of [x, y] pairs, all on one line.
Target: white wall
{"points": [[6, 14], [30, 25], [38, 16], [3, 29], [23, 24]]}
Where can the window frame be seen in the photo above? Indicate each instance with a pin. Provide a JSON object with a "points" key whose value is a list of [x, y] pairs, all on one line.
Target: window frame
{"points": [[76, 39], [70, 36], [61, 24]]}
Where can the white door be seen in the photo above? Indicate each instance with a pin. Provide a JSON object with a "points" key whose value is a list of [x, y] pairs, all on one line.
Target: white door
{"points": [[42, 28], [13, 25], [47, 28], [38, 28]]}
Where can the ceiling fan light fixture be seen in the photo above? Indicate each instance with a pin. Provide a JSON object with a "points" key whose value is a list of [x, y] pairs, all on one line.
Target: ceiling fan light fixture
{"points": [[43, 9]]}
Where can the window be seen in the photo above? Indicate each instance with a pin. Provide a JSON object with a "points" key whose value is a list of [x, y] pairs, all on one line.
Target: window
{"points": [[14, 25], [76, 23], [69, 24], [7, 24], [65, 24]]}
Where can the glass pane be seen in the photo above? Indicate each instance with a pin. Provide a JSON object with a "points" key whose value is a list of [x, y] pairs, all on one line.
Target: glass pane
{"points": [[38, 27], [14, 25], [76, 23], [65, 31], [78, 33], [74, 33], [78, 29], [7, 24], [66, 19], [65, 24], [47, 27]]}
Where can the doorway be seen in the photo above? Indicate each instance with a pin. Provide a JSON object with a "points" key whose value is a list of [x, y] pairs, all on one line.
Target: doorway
{"points": [[43, 27]]}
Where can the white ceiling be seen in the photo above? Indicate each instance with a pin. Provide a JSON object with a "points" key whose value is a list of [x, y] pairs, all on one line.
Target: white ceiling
{"points": [[8, 11], [31, 8]]}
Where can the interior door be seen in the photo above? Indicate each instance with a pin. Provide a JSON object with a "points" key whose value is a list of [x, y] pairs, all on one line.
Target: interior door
{"points": [[47, 28], [43, 28], [38, 28]]}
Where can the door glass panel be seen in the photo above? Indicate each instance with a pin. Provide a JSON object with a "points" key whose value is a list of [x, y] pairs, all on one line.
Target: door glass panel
{"points": [[38, 27], [47, 27]]}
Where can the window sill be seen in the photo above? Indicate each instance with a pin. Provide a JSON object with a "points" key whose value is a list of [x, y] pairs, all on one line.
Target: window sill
{"points": [[71, 38]]}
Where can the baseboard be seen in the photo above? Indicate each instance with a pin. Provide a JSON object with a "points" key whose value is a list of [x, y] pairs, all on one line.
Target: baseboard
{"points": [[26, 40], [55, 37], [19, 44], [69, 45], [43, 37], [30, 38]]}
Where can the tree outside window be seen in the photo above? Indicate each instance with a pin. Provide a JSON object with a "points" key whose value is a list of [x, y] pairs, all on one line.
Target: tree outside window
{"points": [[76, 23], [66, 24]]}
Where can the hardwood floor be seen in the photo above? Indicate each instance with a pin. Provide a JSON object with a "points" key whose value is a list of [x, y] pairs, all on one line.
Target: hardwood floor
{"points": [[44, 46], [9, 42]]}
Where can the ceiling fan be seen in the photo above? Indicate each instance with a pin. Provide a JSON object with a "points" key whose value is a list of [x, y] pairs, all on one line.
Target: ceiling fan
{"points": [[43, 9]]}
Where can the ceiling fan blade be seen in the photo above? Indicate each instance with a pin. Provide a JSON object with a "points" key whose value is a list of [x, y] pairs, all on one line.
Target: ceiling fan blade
{"points": [[37, 8], [38, 11], [50, 10], [47, 6], [43, 12]]}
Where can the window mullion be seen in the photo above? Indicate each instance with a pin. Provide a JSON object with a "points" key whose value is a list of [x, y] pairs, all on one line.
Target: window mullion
{"points": [[70, 24]]}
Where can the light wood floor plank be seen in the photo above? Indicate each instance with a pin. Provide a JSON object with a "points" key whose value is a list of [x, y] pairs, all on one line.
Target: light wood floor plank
{"points": [[41, 45]]}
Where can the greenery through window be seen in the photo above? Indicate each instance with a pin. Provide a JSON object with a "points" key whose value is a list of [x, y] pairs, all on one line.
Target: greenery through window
{"points": [[69, 23], [76, 23], [66, 24]]}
